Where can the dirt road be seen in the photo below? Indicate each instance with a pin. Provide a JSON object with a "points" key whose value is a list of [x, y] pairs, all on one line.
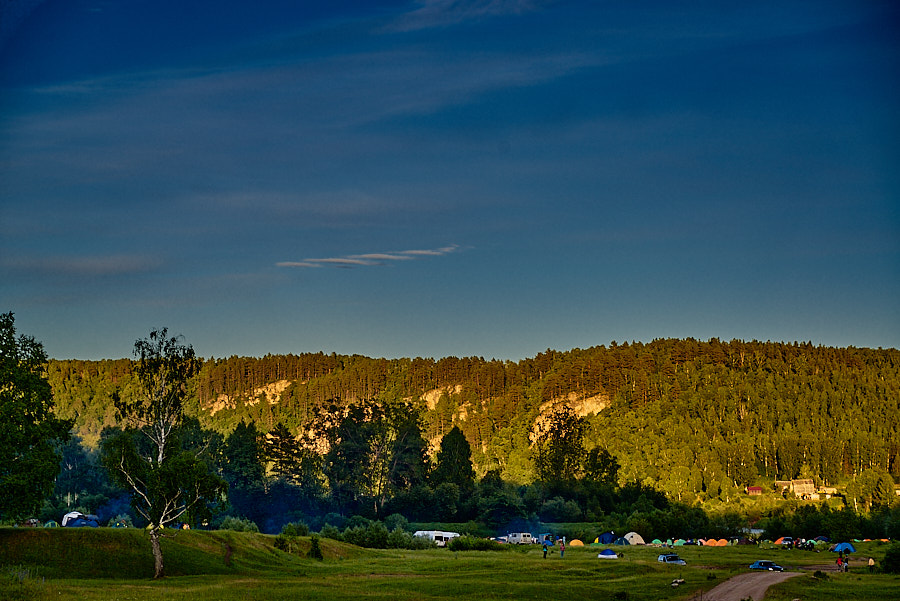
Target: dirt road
{"points": [[742, 586]]}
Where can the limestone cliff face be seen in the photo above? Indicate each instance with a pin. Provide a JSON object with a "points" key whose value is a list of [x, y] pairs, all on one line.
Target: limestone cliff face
{"points": [[583, 406], [270, 392]]}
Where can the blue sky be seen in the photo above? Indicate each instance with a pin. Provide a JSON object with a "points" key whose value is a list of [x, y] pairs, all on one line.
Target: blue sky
{"points": [[448, 177]]}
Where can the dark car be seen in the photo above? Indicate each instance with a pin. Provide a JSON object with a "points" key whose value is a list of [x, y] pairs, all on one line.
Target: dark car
{"points": [[771, 566], [671, 559]]}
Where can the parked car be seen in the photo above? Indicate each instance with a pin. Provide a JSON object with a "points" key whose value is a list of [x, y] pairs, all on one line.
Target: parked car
{"points": [[771, 566], [671, 558]]}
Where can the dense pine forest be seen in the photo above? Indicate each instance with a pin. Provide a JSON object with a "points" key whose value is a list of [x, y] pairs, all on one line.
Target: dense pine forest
{"points": [[695, 420]]}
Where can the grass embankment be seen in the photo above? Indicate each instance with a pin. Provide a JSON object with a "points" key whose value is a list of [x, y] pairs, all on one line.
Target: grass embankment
{"points": [[125, 553], [116, 564]]}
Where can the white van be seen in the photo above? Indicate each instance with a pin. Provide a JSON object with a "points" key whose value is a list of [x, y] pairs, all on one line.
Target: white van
{"points": [[439, 537], [519, 538]]}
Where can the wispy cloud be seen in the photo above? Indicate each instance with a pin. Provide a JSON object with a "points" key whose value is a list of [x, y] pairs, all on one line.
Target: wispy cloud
{"points": [[83, 266], [363, 260], [442, 13]]}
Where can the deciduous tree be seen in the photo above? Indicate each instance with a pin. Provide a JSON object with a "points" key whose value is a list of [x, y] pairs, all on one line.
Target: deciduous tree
{"points": [[147, 458], [373, 451], [559, 451], [29, 431]]}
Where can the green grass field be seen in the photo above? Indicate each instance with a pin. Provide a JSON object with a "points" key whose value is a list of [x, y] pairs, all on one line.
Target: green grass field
{"points": [[108, 564]]}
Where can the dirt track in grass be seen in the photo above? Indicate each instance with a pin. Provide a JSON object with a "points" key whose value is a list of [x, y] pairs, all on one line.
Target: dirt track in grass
{"points": [[753, 585]]}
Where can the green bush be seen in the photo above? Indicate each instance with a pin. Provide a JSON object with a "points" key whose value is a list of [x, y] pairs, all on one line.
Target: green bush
{"points": [[315, 550], [238, 525], [472, 543], [395, 521], [329, 531], [891, 562], [286, 543], [421, 542], [357, 521], [372, 536], [401, 539], [295, 529]]}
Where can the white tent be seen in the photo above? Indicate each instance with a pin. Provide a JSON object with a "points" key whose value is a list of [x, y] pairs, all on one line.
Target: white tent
{"points": [[71, 516], [634, 538]]}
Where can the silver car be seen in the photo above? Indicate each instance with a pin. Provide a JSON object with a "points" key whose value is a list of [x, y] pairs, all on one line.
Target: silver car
{"points": [[671, 558]]}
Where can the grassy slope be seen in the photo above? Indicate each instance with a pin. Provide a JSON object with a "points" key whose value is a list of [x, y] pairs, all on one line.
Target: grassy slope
{"points": [[116, 564], [125, 553]]}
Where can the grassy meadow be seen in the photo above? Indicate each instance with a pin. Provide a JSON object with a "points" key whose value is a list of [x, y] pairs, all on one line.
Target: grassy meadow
{"points": [[111, 564]]}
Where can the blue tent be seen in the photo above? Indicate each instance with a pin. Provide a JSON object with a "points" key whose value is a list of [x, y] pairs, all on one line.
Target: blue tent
{"points": [[607, 554], [606, 538], [845, 547], [76, 519], [621, 541]]}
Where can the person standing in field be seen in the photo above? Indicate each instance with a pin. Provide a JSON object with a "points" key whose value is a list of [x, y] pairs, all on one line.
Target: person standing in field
{"points": [[562, 548]]}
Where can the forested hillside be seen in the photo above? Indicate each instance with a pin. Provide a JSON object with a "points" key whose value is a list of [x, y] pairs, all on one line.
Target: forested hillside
{"points": [[697, 420]]}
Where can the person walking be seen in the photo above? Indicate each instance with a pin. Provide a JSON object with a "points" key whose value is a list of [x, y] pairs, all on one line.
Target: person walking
{"points": [[562, 549]]}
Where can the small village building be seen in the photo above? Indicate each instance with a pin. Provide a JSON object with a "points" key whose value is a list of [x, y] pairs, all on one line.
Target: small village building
{"points": [[782, 485], [754, 491], [826, 492], [805, 489]]}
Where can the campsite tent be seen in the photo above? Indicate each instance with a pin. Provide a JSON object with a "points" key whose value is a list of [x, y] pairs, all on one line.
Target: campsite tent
{"points": [[607, 554], [607, 538], [576, 543], [679, 542], [656, 541], [634, 538], [845, 547], [76, 519], [621, 541]]}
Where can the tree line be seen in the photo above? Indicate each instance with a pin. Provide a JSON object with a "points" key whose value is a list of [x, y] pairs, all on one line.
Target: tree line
{"points": [[696, 419], [318, 438]]}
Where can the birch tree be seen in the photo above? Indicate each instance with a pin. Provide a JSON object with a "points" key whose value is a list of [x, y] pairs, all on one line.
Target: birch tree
{"points": [[166, 482]]}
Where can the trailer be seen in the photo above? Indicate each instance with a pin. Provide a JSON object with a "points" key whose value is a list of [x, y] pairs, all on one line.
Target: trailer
{"points": [[440, 537]]}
